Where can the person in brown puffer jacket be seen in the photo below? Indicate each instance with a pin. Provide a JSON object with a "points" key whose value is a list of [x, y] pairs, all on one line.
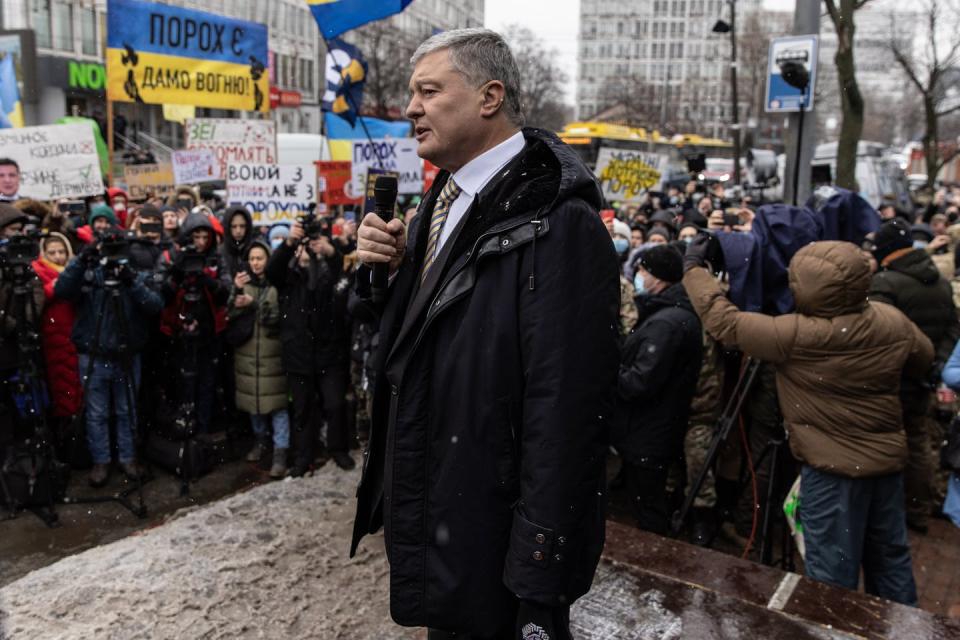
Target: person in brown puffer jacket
{"points": [[838, 363]]}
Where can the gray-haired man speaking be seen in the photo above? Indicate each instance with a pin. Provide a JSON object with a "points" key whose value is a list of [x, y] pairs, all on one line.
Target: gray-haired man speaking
{"points": [[497, 362]]}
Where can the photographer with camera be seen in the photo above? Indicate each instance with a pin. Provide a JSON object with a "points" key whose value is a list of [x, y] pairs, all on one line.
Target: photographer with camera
{"points": [[313, 329], [838, 361], [16, 275], [146, 251], [101, 220], [108, 354], [195, 289]]}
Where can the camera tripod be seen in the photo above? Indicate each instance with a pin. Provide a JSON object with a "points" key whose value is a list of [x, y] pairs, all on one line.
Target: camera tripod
{"points": [[771, 454], [30, 397], [186, 422], [113, 303]]}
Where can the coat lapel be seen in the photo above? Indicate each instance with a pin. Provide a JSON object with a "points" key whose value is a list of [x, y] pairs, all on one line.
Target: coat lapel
{"points": [[423, 294]]}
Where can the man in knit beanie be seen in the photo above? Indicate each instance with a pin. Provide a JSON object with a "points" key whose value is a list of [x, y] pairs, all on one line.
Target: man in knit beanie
{"points": [[657, 378]]}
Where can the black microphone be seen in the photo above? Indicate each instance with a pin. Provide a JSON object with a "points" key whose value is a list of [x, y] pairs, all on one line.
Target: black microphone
{"points": [[385, 201]]}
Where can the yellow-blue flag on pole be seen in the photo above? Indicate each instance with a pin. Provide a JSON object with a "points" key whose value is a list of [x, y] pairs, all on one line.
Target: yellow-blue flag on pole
{"points": [[11, 110], [336, 16], [346, 75]]}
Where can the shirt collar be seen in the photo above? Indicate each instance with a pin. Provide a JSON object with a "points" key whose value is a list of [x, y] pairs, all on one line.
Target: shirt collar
{"points": [[474, 175]]}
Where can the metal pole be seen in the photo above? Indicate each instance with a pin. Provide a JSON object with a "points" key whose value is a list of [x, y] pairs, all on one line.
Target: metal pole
{"points": [[796, 168], [800, 145], [735, 127]]}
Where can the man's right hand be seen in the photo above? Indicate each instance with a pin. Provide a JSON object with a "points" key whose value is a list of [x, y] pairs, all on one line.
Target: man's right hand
{"points": [[379, 242], [296, 234]]}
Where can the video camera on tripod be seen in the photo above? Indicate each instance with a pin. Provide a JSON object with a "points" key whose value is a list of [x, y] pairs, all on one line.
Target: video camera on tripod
{"points": [[17, 255]]}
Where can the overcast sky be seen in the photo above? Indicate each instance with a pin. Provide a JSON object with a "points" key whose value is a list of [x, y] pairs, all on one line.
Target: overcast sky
{"points": [[555, 22]]}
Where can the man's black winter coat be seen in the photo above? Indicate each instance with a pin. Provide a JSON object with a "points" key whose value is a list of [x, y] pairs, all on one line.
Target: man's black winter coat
{"points": [[913, 284], [313, 311], [659, 369], [493, 394]]}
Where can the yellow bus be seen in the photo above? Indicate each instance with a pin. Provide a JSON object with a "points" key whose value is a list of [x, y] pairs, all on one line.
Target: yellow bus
{"points": [[586, 138]]}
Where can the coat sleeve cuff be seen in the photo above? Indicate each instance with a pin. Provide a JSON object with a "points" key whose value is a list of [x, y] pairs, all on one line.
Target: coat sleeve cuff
{"points": [[536, 564]]}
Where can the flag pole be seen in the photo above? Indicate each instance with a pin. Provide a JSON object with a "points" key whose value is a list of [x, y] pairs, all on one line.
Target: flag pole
{"points": [[353, 104], [106, 94]]}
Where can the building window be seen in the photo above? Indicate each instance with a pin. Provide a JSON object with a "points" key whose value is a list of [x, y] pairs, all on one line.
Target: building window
{"points": [[40, 21], [63, 26], [88, 28]]}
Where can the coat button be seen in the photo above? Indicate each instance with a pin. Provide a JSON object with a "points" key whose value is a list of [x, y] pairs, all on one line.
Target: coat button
{"points": [[538, 555], [562, 540], [540, 538], [505, 242], [558, 558], [393, 389]]}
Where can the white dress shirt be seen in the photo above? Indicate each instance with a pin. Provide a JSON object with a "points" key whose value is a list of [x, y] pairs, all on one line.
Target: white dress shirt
{"points": [[474, 176]]}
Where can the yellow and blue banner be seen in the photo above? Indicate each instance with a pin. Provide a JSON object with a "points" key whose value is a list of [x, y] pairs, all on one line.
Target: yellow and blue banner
{"points": [[11, 110], [159, 54], [337, 16], [346, 75]]}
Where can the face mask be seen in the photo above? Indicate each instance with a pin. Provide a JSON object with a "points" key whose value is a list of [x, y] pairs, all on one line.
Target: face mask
{"points": [[688, 240], [639, 285], [920, 244], [621, 245], [276, 242]]}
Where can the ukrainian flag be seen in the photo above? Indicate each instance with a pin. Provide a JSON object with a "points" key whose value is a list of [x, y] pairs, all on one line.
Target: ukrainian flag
{"points": [[11, 109], [336, 16], [346, 75]]}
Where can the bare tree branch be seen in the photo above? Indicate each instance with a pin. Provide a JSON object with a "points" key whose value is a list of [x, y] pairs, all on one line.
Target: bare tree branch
{"points": [[947, 112]]}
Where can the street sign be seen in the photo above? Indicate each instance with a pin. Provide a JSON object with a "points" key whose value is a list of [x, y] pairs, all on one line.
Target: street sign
{"points": [[781, 96]]}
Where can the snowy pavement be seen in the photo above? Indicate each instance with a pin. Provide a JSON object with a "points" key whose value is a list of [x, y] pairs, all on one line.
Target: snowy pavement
{"points": [[272, 562]]}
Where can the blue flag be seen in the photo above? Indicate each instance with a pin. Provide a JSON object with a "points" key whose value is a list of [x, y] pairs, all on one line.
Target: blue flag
{"points": [[346, 76], [11, 110], [339, 129], [337, 16]]}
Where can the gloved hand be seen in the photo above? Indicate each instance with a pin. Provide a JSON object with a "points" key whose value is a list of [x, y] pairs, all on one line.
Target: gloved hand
{"points": [[127, 275], [89, 253], [696, 255], [705, 251], [537, 622], [176, 274]]}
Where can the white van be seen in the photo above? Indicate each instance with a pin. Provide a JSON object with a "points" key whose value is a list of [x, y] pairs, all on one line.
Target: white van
{"points": [[301, 148], [878, 174]]}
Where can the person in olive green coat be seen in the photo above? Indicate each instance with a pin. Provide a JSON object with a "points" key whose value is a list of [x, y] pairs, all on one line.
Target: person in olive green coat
{"points": [[260, 378]]}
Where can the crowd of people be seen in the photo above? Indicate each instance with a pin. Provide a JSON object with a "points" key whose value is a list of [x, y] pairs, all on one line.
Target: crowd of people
{"points": [[842, 306], [180, 312], [146, 310]]}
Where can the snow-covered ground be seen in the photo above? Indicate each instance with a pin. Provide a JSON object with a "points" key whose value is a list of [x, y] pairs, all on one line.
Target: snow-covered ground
{"points": [[272, 563], [268, 563]]}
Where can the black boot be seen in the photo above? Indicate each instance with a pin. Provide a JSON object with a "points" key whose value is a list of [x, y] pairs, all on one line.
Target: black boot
{"points": [[704, 528], [300, 468]]}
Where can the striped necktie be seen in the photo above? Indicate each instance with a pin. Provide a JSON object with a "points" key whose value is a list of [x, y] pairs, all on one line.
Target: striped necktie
{"points": [[440, 211]]}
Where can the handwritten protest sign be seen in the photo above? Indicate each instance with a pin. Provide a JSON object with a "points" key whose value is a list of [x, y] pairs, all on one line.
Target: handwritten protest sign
{"points": [[145, 180], [56, 161], [625, 175], [272, 193], [234, 141], [398, 155], [195, 165]]}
